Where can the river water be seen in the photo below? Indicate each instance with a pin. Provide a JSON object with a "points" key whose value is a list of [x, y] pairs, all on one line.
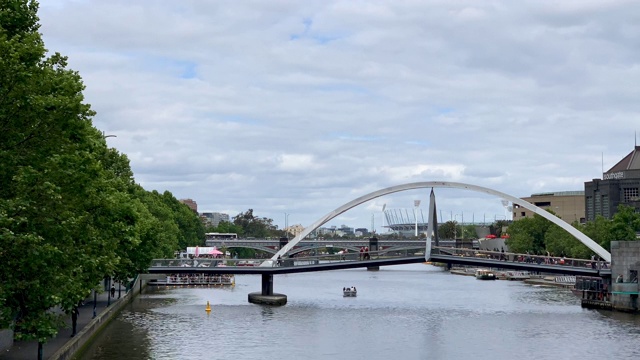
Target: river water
{"points": [[402, 312]]}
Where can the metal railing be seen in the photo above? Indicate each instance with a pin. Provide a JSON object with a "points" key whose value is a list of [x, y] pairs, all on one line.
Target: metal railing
{"points": [[523, 258]]}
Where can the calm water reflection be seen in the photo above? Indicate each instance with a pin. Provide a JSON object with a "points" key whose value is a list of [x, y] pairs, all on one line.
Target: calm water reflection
{"points": [[401, 312]]}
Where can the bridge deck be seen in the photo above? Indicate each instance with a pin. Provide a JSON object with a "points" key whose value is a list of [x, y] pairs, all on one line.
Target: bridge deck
{"points": [[350, 261]]}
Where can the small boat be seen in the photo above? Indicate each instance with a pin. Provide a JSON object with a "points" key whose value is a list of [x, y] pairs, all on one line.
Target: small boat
{"points": [[484, 274], [349, 292]]}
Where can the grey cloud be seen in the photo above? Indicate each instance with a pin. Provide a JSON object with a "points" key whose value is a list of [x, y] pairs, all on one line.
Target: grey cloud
{"points": [[299, 107]]}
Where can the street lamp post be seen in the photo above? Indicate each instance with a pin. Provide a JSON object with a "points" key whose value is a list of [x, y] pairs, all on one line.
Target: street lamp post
{"points": [[416, 204], [384, 206], [455, 226], [107, 136], [286, 225]]}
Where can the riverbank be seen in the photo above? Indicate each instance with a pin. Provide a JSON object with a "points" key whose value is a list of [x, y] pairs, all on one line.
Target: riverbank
{"points": [[566, 282], [64, 346]]}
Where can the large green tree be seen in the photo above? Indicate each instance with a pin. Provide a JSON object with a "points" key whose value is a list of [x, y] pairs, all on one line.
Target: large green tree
{"points": [[191, 229], [528, 235], [254, 226], [60, 210], [70, 211]]}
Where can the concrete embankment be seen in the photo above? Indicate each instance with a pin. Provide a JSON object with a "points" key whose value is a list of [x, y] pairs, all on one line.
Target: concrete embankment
{"points": [[78, 342], [64, 346]]}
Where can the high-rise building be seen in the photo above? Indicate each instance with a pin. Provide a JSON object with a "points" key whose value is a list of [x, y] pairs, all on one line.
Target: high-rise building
{"points": [[214, 218], [190, 203], [619, 185]]}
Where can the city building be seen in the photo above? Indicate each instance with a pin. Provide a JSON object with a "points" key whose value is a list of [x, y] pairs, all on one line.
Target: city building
{"points": [[619, 185], [567, 205], [294, 230], [190, 203], [214, 218]]}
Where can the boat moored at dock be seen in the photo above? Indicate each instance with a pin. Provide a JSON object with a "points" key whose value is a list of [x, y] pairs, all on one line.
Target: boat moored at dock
{"points": [[196, 280], [485, 274]]}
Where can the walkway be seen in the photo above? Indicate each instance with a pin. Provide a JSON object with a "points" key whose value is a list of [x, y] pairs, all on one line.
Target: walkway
{"points": [[28, 350]]}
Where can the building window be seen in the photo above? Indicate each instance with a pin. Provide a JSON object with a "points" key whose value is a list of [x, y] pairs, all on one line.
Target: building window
{"points": [[630, 194], [542, 203], [522, 214], [598, 204], [590, 214], [605, 206]]}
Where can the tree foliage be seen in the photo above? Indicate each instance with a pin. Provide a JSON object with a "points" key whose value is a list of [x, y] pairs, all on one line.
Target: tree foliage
{"points": [[253, 226], [70, 211], [539, 235], [227, 227]]}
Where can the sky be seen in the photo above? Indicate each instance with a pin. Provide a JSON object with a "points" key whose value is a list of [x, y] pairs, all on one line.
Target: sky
{"points": [[298, 107]]}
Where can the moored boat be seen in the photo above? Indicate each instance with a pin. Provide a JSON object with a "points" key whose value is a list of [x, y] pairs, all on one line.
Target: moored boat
{"points": [[484, 274], [196, 280]]}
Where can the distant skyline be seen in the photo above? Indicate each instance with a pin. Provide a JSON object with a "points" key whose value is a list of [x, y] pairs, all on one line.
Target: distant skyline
{"points": [[299, 107]]}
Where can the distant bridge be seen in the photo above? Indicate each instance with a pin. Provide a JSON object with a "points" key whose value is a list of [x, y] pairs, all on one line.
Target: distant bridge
{"points": [[272, 246]]}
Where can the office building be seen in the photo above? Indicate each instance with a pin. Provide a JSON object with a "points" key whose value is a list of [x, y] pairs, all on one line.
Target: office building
{"points": [[619, 185]]}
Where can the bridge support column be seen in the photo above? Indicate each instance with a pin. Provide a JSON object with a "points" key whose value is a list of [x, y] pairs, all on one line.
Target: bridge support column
{"points": [[267, 296], [373, 248]]}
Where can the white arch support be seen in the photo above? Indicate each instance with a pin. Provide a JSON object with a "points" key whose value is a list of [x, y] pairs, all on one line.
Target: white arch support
{"points": [[604, 254]]}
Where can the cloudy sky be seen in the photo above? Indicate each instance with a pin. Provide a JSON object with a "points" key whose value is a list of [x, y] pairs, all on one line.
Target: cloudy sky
{"points": [[296, 107]]}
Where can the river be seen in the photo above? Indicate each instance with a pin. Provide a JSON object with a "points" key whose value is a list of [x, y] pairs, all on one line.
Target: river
{"points": [[402, 312]]}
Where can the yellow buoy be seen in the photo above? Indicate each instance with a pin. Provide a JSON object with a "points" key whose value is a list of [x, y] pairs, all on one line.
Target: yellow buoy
{"points": [[208, 308]]}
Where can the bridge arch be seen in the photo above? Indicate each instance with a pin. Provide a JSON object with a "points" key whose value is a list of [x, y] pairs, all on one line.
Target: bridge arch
{"points": [[604, 254]]}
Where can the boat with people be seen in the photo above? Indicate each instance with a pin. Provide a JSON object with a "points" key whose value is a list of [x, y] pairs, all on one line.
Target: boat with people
{"points": [[485, 274], [349, 291], [195, 280]]}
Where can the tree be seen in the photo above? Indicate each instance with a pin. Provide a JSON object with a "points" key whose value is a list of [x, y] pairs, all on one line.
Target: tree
{"points": [[191, 230], [253, 226], [53, 183], [70, 211], [227, 227], [599, 231], [528, 235], [447, 230], [625, 223]]}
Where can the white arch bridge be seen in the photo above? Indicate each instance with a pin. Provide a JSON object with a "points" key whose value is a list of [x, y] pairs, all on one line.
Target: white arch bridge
{"points": [[604, 254]]}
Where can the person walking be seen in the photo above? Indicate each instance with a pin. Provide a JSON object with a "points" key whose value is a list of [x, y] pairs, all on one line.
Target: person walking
{"points": [[74, 320], [113, 290]]}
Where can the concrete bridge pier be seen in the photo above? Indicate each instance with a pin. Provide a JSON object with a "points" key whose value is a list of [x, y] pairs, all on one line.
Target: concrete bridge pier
{"points": [[267, 296], [373, 247]]}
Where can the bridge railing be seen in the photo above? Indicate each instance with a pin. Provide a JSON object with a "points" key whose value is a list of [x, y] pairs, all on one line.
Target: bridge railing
{"points": [[197, 262], [295, 260], [348, 256], [523, 258]]}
